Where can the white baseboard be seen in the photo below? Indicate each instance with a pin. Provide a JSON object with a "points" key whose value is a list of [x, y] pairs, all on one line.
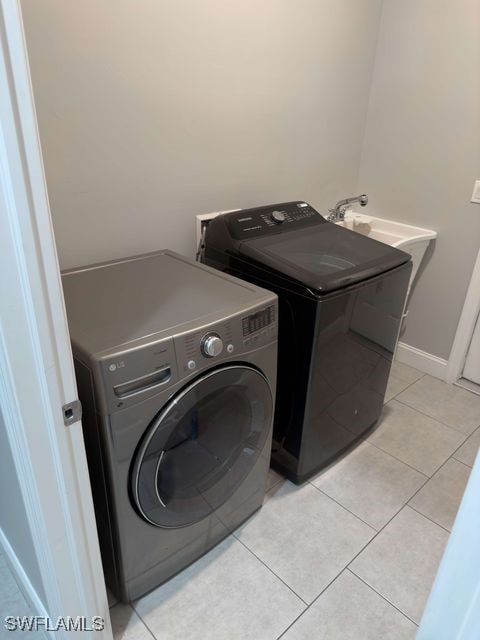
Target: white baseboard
{"points": [[21, 578], [421, 360]]}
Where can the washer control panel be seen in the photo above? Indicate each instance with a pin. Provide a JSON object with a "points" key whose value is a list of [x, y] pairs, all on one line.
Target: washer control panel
{"points": [[260, 327], [212, 345], [258, 321], [226, 339], [250, 223], [278, 216]]}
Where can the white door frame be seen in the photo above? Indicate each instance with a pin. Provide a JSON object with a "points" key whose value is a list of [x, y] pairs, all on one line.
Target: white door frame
{"points": [[466, 326], [36, 366]]}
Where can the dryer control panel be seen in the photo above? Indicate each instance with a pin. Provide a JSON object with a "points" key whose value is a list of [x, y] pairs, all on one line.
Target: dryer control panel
{"points": [[230, 338], [250, 223]]}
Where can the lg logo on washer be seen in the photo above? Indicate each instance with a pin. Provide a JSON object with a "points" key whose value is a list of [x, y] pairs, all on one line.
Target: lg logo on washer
{"points": [[116, 365]]}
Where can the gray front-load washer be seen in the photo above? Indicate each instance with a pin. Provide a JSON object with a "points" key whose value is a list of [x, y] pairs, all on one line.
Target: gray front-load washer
{"points": [[176, 369]]}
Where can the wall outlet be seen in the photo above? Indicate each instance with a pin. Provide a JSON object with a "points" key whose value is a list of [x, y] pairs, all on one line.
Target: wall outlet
{"points": [[476, 192]]}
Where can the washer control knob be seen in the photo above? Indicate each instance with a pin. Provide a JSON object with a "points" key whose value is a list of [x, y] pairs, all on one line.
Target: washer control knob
{"points": [[278, 216], [212, 345]]}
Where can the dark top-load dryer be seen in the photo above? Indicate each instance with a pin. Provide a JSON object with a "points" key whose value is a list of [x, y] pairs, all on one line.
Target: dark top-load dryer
{"points": [[341, 300]]}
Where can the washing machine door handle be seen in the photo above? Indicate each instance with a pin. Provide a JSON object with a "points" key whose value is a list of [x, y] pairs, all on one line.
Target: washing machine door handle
{"points": [[202, 445], [157, 480]]}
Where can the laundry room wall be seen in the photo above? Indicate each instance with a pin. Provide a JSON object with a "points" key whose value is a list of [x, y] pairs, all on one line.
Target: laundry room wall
{"points": [[150, 112], [14, 526], [421, 154]]}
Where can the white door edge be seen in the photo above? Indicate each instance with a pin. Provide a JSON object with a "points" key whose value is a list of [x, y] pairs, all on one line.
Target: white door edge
{"points": [[466, 326], [36, 367]]}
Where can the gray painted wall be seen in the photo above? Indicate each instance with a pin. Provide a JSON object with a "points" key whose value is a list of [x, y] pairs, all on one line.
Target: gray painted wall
{"points": [[150, 112], [422, 149], [13, 518]]}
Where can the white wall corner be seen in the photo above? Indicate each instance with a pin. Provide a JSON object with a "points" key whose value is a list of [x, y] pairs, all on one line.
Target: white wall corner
{"points": [[421, 360]]}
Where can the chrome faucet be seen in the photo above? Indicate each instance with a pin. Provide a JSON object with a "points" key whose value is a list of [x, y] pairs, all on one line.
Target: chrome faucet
{"points": [[339, 210]]}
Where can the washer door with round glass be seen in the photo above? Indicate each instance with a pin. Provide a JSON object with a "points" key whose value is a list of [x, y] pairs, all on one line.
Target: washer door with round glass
{"points": [[201, 446]]}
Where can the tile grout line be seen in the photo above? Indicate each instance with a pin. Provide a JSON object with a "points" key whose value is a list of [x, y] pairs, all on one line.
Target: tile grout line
{"points": [[347, 567], [427, 517], [403, 462], [406, 504], [343, 506], [143, 621], [405, 404], [398, 459], [271, 571], [405, 388], [461, 461], [381, 595], [131, 605], [312, 603], [440, 467], [427, 416], [450, 457], [395, 397]]}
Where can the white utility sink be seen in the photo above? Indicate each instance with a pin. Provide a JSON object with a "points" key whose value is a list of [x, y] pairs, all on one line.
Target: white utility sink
{"points": [[413, 240]]}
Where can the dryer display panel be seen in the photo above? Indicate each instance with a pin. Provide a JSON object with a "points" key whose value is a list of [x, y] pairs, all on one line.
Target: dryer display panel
{"points": [[259, 320]]}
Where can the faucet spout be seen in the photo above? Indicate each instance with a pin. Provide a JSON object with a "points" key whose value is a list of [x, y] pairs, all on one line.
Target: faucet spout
{"points": [[339, 210]]}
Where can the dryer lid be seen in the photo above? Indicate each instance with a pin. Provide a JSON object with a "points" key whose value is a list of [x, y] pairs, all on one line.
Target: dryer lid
{"points": [[323, 257]]}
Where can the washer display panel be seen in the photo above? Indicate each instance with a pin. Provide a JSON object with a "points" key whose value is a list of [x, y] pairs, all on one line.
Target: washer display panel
{"points": [[201, 446]]}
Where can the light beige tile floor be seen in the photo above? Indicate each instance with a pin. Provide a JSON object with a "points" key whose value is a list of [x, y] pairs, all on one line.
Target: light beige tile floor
{"points": [[228, 593], [350, 610], [370, 483], [415, 438], [469, 449], [440, 497], [352, 554], [304, 537], [401, 377], [401, 562], [455, 407]]}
